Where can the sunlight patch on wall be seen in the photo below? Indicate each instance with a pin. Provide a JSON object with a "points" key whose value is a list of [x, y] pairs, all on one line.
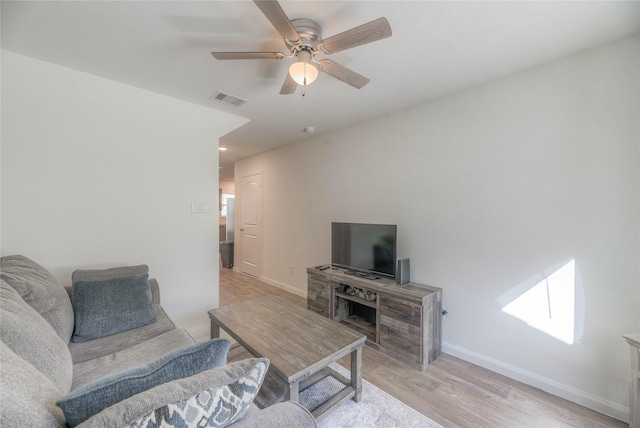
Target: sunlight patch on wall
{"points": [[549, 306]]}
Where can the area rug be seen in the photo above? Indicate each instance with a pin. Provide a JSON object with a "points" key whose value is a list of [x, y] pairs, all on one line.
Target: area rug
{"points": [[377, 409]]}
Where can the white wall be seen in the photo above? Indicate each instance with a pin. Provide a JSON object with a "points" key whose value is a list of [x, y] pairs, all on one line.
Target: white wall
{"points": [[227, 186], [492, 190], [97, 174]]}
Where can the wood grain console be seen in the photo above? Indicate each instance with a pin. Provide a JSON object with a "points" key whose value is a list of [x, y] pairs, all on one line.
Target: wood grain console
{"points": [[403, 321]]}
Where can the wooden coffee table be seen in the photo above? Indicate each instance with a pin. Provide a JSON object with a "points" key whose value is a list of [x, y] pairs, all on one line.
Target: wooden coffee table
{"points": [[299, 343]]}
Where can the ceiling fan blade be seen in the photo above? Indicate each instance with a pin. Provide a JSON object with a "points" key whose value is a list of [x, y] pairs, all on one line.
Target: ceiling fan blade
{"points": [[361, 35], [248, 55], [274, 13], [289, 86], [342, 73]]}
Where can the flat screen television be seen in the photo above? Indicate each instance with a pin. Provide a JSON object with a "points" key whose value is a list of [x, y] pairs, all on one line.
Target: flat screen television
{"points": [[364, 248]]}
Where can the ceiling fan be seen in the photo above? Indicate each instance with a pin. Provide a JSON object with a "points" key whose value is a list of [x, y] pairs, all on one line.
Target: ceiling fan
{"points": [[304, 39]]}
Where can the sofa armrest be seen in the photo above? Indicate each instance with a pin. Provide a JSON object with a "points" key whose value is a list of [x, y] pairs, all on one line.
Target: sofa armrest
{"points": [[155, 291], [285, 414]]}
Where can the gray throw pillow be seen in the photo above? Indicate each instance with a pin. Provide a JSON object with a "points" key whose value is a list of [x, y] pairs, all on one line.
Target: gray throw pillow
{"points": [[110, 306], [93, 397], [221, 396]]}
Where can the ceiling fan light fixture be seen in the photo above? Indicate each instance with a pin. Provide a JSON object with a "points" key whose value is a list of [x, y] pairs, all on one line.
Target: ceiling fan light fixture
{"points": [[302, 71], [303, 38]]}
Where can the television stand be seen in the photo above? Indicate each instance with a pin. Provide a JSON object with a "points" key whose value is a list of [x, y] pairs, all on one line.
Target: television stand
{"points": [[403, 321], [361, 274]]}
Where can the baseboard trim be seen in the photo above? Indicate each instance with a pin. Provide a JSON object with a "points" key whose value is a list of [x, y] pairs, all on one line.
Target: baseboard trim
{"points": [[563, 391], [285, 287]]}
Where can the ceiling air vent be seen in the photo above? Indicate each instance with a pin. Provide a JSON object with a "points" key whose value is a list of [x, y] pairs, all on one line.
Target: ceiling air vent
{"points": [[227, 99]]}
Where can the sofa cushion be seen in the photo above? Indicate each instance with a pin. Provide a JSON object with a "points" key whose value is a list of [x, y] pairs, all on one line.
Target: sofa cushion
{"points": [[32, 338], [111, 273], [227, 391], [84, 351], [40, 289], [109, 306], [133, 356], [27, 397], [118, 272], [91, 398]]}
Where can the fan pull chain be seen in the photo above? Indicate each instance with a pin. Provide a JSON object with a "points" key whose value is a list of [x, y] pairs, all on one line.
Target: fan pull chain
{"points": [[305, 78]]}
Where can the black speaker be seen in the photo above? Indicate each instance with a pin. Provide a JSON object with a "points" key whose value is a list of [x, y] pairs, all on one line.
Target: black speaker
{"points": [[402, 273]]}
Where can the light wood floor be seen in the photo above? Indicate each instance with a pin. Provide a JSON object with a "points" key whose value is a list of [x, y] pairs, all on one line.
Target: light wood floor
{"points": [[451, 392]]}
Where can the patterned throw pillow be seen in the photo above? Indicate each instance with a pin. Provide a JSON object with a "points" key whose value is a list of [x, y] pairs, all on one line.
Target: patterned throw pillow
{"points": [[214, 407], [82, 403]]}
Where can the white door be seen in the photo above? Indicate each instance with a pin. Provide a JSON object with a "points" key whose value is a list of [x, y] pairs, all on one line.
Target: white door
{"points": [[251, 225]]}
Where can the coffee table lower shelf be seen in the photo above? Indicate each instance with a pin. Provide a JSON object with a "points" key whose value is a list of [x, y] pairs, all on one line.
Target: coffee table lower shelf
{"points": [[301, 346], [320, 393]]}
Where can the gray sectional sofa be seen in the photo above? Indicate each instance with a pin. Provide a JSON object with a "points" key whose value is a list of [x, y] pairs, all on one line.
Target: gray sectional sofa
{"points": [[82, 364]]}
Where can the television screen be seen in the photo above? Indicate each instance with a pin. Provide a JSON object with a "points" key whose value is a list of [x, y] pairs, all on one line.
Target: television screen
{"points": [[364, 247]]}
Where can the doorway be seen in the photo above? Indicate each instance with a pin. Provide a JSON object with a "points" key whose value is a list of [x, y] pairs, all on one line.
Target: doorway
{"points": [[250, 257]]}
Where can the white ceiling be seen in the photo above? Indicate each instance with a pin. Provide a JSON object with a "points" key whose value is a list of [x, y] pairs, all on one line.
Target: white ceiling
{"points": [[437, 48]]}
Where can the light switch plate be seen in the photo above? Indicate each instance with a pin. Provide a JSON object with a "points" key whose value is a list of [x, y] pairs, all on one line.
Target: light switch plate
{"points": [[199, 207]]}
